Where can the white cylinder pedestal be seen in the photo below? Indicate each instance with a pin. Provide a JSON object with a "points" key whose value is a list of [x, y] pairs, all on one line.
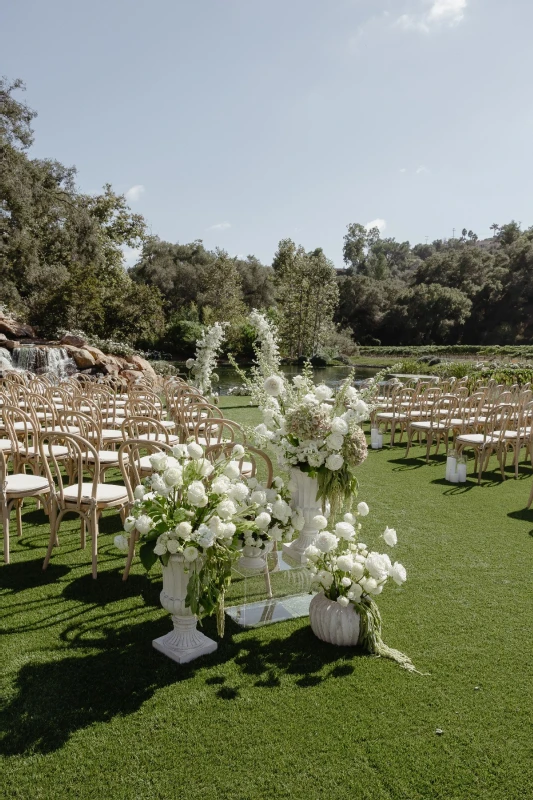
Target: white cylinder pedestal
{"points": [[185, 642], [303, 498]]}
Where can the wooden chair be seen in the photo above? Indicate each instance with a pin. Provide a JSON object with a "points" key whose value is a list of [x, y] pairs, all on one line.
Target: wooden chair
{"points": [[86, 498], [491, 440], [14, 489]]}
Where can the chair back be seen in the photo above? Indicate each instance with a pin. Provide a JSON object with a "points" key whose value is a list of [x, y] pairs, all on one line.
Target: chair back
{"points": [[253, 455], [129, 460], [78, 451]]}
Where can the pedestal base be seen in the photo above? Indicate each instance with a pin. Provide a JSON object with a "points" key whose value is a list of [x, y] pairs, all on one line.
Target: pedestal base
{"points": [[295, 550], [251, 562], [184, 643]]}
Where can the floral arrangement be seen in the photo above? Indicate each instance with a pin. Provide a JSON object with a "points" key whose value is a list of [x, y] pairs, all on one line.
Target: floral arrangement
{"points": [[349, 572], [267, 357], [316, 433], [207, 350], [204, 512]]}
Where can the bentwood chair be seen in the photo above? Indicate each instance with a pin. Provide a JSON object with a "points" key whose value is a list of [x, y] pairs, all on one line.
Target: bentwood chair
{"points": [[86, 498], [491, 440], [14, 489]]}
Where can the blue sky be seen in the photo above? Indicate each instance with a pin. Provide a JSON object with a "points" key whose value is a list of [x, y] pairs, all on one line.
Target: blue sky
{"points": [[241, 122]]}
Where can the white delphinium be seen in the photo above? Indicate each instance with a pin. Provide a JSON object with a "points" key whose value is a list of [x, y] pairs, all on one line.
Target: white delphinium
{"points": [[207, 350]]}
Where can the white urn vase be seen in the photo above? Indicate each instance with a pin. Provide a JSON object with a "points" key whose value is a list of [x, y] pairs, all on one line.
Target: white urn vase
{"points": [[185, 642], [304, 498], [255, 557], [334, 623]]}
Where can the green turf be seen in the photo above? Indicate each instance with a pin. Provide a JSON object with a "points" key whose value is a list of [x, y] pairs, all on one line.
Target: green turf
{"points": [[92, 711]]}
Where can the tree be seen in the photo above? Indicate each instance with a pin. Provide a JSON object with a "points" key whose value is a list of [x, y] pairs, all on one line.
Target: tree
{"points": [[307, 295], [426, 315]]}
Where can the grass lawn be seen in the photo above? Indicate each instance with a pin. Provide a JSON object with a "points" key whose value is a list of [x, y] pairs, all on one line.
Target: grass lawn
{"points": [[92, 711]]}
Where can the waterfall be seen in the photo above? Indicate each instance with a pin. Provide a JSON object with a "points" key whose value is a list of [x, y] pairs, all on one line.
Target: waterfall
{"points": [[43, 360], [6, 363]]}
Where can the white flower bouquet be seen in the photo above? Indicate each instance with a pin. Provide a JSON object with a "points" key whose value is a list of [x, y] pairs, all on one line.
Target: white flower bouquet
{"points": [[207, 351], [349, 572], [204, 512], [319, 434]]}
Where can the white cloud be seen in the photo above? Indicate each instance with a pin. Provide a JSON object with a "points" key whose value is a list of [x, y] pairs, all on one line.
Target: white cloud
{"points": [[403, 169], [220, 226], [134, 193], [131, 255], [422, 170], [440, 12], [380, 224]]}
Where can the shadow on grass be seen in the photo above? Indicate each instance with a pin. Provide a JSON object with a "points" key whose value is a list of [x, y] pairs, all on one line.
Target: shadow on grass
{"points": [[57, 698], [22, 575]]}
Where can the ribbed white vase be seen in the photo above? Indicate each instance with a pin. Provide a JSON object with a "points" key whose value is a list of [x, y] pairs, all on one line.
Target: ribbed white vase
{"points": [[332, 623], [304, 498], [185, 642]]}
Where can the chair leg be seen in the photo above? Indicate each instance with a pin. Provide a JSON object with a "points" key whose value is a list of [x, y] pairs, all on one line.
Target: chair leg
{"points": [[18, 506], [5, 525], [530, 498], [131, 554], [392, 432], [93, 530], [83, 533], [54, 527]]}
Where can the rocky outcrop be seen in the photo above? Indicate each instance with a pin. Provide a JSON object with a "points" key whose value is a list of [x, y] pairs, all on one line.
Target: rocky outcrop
{"points": [[75, 341], [142, 364], [14, 329], [82, 358]]}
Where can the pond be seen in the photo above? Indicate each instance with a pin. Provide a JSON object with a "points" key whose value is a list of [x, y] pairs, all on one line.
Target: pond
{"points": [[332, 376]]}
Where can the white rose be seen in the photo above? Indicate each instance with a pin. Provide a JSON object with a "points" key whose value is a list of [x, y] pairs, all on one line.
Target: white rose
{"points": [[355, 592], [221, 484], [345, 531], [238, 492], [226, 530], [139, 492], [398, 573], [159, 461], [349, 518], [232, 470], [319, 522], [297, 520], [281, 510], [121, 542], [326, 541], [273, 385], [357, 571], [226, 509], [369, 585], [334, 462], [196, 494], [180, 450], [173, 545], [276, 533], [325, 578], [345, 563], [238, 451], [343, 601], [323, 392], [144, 523], [346, 582], [190, 553], [377, 566], [205, 537], [390, 537], [334, 441], [258, 497], [263, 520], [183, 530], [339, 425], [313, 553], [278, 482], [190, 363], [205, 467], [173, 477], [129, 524], [361, 409], [195, 450], [351, 393], [362, 509], [160, 549], [253, 483], [298, 381]]}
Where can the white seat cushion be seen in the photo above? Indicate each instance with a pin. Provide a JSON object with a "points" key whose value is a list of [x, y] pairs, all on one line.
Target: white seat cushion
{"points": [[390, 415], [111, 433], [19, 483], [5, 445], [159, 437], [475, 438], [57, 450], [107, 457], [427, 426], [105, 492]]}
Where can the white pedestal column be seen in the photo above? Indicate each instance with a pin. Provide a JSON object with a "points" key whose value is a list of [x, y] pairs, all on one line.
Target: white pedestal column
{"points": [[304, 498], [185, 642]]}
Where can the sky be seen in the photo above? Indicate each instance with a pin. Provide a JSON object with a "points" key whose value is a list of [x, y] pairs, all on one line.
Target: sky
{"points": [[242, 122]]}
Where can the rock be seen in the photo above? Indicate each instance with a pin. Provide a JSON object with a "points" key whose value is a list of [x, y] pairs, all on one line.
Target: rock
{"points": [[141, 363], [3, 338], [94, 351], [131, 375], [9, 344], [75, 341], [83, 358], [15, 329]]}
